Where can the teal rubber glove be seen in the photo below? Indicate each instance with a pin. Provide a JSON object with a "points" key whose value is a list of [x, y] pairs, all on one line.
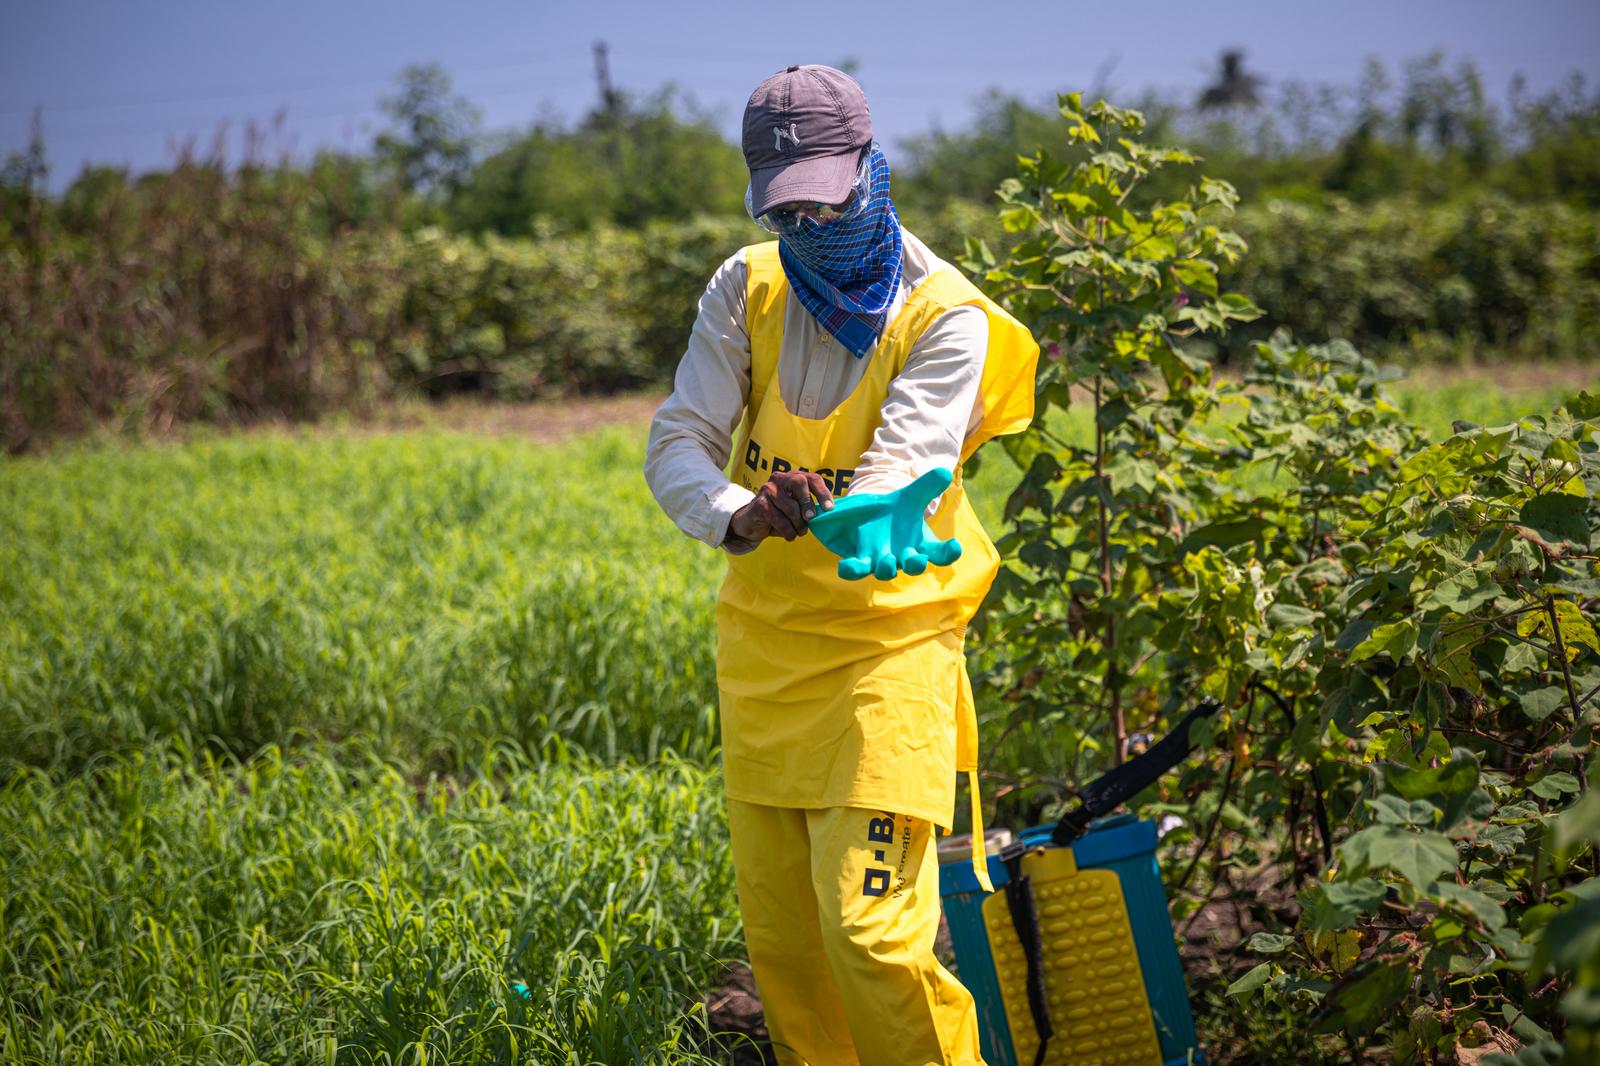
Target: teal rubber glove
{"points": [[883, 533]]}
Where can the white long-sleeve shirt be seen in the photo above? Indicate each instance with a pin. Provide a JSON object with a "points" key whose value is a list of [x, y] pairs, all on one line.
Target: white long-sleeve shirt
{"points": [[931, 407]]}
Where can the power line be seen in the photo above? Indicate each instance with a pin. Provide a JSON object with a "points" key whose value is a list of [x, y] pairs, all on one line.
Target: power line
{"points": [[239, 92], [179, 126]]}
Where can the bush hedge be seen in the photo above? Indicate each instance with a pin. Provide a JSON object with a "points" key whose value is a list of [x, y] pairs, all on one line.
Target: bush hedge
{"points": [[215, 303], [1404, 280]]}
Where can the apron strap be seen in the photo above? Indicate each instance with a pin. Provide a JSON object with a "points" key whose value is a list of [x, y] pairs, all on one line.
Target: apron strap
{"points": [[980, 860]]}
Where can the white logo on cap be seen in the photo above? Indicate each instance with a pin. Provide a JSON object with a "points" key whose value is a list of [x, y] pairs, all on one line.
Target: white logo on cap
{"points": [[779, 133]]}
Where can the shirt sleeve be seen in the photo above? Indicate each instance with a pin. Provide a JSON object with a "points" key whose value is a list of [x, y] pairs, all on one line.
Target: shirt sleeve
{"points": [[932, 405], [691, 435]]}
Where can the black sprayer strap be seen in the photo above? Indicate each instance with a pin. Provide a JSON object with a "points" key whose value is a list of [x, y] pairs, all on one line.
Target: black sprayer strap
{"points": [[1112, 789], [1025, 920]]}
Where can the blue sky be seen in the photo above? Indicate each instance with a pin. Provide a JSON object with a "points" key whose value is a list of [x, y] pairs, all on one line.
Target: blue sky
{"points": [[123, 82]]}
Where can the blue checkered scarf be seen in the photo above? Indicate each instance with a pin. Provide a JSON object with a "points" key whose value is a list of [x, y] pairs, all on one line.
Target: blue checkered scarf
{"points": [[846, 274]]}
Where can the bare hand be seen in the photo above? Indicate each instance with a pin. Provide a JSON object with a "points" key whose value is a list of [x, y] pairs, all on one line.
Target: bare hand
{"points": [[782, 507]]}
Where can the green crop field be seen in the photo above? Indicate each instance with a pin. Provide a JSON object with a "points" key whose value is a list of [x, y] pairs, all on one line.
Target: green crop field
{"points": [[311, 745]]}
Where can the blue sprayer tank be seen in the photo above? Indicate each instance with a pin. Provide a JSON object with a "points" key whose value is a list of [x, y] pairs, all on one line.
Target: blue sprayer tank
{"points": [[1124, 846]]}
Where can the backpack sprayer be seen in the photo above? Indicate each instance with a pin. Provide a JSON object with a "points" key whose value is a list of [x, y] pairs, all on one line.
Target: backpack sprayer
{"points": [[1072, 958]]}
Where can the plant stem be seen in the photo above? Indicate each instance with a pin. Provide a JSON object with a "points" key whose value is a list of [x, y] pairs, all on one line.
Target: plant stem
{"points": [[1205, 841], [1119, 728], [1561, 656]]}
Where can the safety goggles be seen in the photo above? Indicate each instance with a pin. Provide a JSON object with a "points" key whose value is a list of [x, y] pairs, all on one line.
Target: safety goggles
{"points": [[792, 218]]}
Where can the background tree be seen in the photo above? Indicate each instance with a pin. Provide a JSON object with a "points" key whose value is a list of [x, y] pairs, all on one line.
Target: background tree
{"points": [[629, 162], [429, 147], [22, 186]]}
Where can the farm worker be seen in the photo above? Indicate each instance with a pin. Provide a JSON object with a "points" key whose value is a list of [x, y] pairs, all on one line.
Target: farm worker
{"points": [[843, 357]]}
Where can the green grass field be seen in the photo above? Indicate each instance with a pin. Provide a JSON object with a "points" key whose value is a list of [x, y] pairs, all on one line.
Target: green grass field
{"points": [[471, 680], [323, 906]]}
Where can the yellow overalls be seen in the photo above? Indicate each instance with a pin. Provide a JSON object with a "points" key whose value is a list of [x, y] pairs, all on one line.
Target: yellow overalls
{"points": [[846, 713]]}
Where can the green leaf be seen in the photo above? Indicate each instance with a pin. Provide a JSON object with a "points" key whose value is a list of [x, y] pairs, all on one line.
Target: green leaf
{"points": [[1557, 517], [1224, 534], [1451, 786], [1503, 840], [1340, 950], [1018, 218], [1575, 628], [1258, 976], [1579, 822], [1519, 1023], [1197, 274], [1554, 786], [1583, 406], [1581, 1006], [1126, 471], [1022, 447], [1453, 658], [1461, 593], [1363, 1002], [1336, 905], [1320, 571], [1347, 706], [1394, 638], [1419, 857], [1291, 616], [1468, 901], [1113, 413], [1569, 939], [1425, 1026], [1353, 634], [1239, 307], [1269, 943], [1542, 703], [1392, 810]]}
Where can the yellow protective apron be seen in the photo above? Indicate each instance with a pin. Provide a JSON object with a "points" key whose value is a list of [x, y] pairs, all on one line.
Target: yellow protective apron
{"points": [[855, 694]]}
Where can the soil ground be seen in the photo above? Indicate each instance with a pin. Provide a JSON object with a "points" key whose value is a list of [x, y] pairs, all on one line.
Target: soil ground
{"points": [[542, 422], [734, 1009]]}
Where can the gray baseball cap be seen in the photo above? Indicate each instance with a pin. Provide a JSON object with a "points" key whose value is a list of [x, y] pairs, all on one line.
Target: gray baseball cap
{"points": [[804, 129]]}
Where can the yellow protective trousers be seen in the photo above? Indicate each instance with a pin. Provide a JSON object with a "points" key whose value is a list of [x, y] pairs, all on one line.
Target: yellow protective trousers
{"points": [[841, 907]]}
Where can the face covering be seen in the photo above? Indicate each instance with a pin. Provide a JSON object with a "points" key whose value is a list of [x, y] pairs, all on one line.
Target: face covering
{"points": [[845, 273]]}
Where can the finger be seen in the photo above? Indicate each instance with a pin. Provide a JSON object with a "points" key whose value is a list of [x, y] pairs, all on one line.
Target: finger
{"points": [[855, 568], [913, 562], [943, 552], [886, 567], [799, 490], [781, 526], [788, 507], [819, 488]]}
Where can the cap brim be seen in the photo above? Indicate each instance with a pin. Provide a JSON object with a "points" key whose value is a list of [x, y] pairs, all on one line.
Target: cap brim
{"points": [[826, 180]]}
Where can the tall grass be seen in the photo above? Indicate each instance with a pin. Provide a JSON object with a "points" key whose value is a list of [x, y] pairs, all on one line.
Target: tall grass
{"points": [[436, 595], [326, 907]]}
